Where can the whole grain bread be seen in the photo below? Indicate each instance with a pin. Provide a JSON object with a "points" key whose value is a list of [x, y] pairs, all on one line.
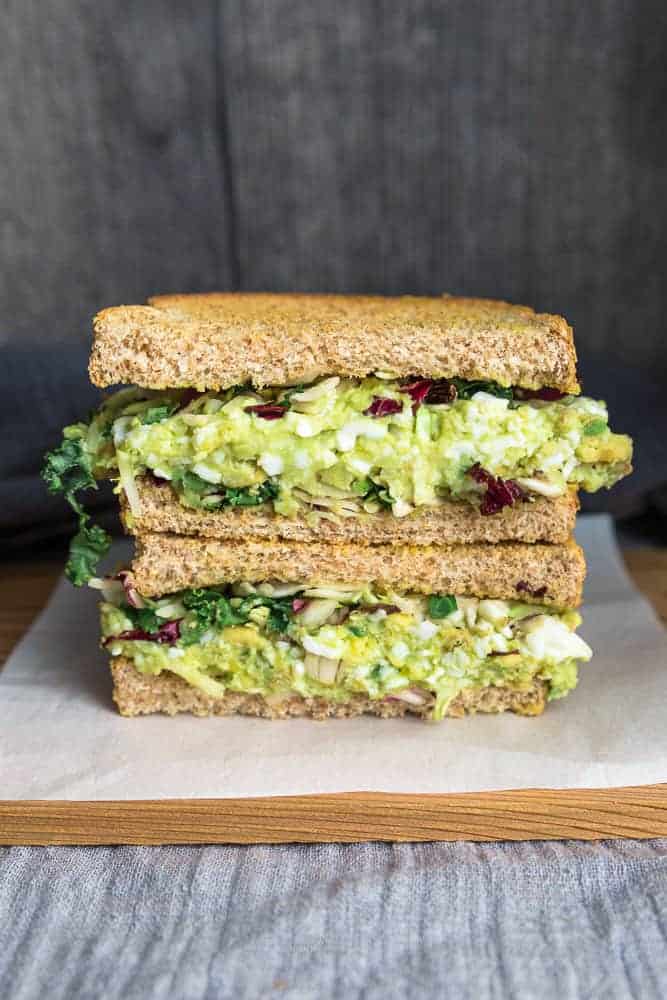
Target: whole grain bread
{"points": [[226, 338], [142, 694], [450, 523], [547, 574]]}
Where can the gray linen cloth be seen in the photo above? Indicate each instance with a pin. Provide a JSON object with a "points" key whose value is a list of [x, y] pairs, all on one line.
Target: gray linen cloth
{"points": [[378, 921]]}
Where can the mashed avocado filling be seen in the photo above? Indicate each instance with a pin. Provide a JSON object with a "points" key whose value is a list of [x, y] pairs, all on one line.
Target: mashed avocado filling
{"points": [[278, 640], [348, 448]]}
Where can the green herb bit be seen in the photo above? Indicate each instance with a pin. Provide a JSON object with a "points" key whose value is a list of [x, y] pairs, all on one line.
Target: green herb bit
{"points": [[375, 491], [466, 390], [142, 618], [441, 605], [154, 414], [593, 427]]}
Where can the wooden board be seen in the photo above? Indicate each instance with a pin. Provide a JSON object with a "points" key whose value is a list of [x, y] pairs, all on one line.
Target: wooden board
{"points": [[535, 814]]}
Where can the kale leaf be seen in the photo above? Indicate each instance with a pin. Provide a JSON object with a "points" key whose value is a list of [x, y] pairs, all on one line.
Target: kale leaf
{"points": [[142, 618], [194, 490], [88, 546], [466, 390], [370, 490], [67, 470], [441, 605], [154, 414], [210, 608], [251, 496]]}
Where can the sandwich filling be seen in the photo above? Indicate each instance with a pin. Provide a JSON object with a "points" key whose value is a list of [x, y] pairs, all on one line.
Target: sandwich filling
{"points": [[334, 642], [342, 448]]}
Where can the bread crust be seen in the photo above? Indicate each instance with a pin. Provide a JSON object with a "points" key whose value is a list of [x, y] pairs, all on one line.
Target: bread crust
{"points": [[545, 574], [451, 523], [141, 694], [221, 339]]}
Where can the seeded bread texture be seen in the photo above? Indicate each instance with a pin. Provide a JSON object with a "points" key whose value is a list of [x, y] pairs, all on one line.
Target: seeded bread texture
{"points": [[450, 523], [141, 694], [226, 338], [549, 574]]}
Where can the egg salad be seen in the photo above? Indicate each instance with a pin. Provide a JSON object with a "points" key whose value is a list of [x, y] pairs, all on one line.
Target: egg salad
{"points": [[352, 447], [334, 642]]}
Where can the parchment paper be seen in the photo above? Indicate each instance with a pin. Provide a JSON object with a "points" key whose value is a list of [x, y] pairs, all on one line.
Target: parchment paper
{"points": [[60, 737]]}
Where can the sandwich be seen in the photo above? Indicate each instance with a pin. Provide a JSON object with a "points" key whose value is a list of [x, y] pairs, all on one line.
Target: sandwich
{"points": [[350, 419], [341, 504], [291, 628]]}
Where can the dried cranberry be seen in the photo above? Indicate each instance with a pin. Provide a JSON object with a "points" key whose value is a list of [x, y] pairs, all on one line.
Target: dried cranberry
{"points": [[382, 406], [298, 604], [546, 394], [188, 396], [267, 411], [418, 390], [499, 492], [442, 391]]}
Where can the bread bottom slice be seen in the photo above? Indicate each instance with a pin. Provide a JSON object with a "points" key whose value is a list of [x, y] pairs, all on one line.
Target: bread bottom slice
{"points": [[141, 694]]}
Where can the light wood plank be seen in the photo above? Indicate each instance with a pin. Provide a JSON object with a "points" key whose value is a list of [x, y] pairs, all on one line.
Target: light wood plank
{"points": [[523, 815]]}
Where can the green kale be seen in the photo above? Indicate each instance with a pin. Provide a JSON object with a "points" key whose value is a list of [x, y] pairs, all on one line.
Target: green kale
{"points": [[251, 496], [441, 605], [280, 614], [357, 630], [154, 414], [89, 545], [210, 608], [466, 390], [280, 610], [194, 490], [142, 618], [370, 490], [67, 470]]}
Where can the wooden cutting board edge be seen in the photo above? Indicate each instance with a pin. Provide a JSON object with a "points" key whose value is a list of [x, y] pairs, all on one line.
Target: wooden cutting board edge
{"points": [[534, 814]]}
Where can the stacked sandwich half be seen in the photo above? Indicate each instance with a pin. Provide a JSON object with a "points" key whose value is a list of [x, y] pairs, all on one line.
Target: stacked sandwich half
{"points": [[340, 504]]}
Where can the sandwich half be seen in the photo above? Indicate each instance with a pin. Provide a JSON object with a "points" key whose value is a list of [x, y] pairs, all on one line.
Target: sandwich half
{"points": [[292, 629], [353, 419]]}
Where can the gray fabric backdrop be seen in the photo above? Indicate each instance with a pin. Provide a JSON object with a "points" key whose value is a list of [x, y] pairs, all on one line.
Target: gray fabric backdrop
{"points": [[374, 921], [513, 148]]}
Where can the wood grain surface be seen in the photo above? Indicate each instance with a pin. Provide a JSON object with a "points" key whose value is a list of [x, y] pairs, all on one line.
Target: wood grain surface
{"points": [[348, 817], [520, 815]]}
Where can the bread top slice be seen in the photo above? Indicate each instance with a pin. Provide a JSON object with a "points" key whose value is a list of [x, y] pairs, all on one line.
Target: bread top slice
{"points": [[543, 574], [221, 339], [450, 523]]}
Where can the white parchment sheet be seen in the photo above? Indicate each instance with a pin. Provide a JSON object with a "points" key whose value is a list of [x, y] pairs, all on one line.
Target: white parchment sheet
{"points": [[60, 736]]}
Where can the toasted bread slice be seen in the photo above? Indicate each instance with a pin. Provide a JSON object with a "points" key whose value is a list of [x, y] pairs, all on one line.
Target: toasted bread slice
{"points": [[142, 694], [221, 339], [546, 574], [450, 523]]}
